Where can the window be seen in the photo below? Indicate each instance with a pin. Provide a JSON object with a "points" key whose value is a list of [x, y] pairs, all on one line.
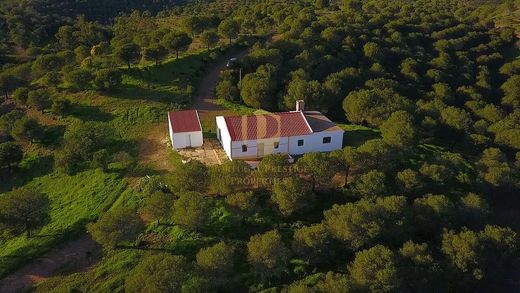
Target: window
{"points": [[276, 144], [300, 142], [244, 148], [326, 139]]}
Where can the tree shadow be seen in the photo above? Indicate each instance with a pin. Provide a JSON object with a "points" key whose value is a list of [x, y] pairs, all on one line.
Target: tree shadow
{"points": [[358, 137], [135, 92], [30, 169], [180, 71], [53, 135], [90, 113]]}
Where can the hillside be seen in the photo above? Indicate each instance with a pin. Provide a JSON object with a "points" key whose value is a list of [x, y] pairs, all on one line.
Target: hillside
{"points": [[420, 194]]}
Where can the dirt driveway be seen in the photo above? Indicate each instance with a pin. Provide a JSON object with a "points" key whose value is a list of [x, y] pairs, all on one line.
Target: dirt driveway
{"points": [[153, 151], [204, 100]]}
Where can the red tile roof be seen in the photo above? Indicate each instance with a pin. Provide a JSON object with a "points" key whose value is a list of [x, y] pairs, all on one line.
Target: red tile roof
{"points": [[250, 127], [184, 121]]}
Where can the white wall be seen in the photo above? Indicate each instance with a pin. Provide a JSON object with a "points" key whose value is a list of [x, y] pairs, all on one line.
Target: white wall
{"points": [[311, 143], [252, 147], [225, 137], [314, 142], [180, 140], [171, 130]]}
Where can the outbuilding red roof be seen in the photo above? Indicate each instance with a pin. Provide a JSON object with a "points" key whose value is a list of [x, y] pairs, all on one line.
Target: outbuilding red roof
{"points": [[184, 121], [250, 127]]}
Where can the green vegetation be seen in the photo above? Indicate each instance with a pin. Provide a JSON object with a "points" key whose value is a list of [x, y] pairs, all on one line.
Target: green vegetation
{"points": [[421, 198], [88, 194]]}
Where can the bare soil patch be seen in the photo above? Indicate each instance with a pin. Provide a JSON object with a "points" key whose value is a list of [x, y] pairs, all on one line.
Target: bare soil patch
{"points": [[77, 255], [154, 149]]}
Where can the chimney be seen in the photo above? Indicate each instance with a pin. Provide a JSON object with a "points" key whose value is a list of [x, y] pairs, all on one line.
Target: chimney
{"points": [[300, 105]]}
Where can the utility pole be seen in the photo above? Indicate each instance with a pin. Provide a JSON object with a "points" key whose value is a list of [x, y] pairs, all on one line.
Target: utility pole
{"points": [[240, 82]]}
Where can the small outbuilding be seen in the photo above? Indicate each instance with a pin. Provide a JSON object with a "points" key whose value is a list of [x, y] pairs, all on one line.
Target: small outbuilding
{"points": [[185, 129]]}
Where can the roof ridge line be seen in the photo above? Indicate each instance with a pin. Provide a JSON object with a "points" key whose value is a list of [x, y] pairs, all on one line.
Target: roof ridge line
{"points": [[306, 122]]}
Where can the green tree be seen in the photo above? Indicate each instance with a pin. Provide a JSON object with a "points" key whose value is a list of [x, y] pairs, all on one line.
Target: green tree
{"points": [[312, 242], [155, 53], [399, 130], [61, 107], [128, 53], [10, 153], [473, 210], [257, 88], [39, 99], [218, 260], [376, 154], [229, 28], [192, 176], [20, 96], [511, 89], [494, 167], [161, 272], [230, 176], [335, 283], [66, 38], [226, 90], [192, 24], [345, 160], [300, 89], [52, 79], [268, 254], [78, 79], [375, 269], [291, 194], [8, 83], [108, 79], [372, 50], [420, 269], [27, 129], [463, 249], [317, 166], [408, 181], [456, 118], [47, 63], [242, 203], [432, 212], [100, 159], [272, 168], [190, 211], [81, 141], [373, 106], [116, 226], [176, 42], [360, 224], [371, 184], [24, 210], [157, 206], [209, 39], [82, 52]]}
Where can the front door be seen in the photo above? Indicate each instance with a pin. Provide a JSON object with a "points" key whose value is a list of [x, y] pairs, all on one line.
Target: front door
{"points": [[188, 140], [259, 150]]}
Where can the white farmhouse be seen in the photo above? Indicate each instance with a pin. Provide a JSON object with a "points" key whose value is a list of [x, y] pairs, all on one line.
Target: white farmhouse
{"points": [[185, 129], [251, 137]]}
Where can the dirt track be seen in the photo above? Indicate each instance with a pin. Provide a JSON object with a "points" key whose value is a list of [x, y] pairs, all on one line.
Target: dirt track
{"points": [[204, 100], [75, 253], [151, 150]]}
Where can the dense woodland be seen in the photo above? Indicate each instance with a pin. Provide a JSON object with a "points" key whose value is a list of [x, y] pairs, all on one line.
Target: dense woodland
{"points": [[422, 198]]}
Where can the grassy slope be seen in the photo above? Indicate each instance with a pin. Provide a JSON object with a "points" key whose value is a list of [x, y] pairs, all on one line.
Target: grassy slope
{"points": [[75, 200], [144, 98]]}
